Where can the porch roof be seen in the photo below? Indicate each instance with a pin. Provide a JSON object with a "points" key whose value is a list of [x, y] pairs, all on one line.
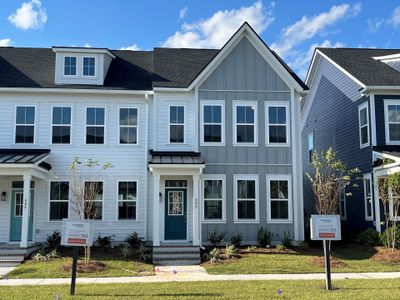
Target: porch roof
{"points": [[25, 157], [176, 158]]}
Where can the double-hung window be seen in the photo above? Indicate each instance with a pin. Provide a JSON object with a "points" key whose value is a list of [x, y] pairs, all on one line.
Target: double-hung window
{"points": [[89, 65], [212, 122], [70, 66], [277, 125], [214, 198], [310, 146], [392, 121], [25, 125], [176, 124], [95, 123], [245, 122], [61, 125], [128, 125], [369, 213], [127, 200], [279, 198], [363, 124], [342, 202], [59, 200], [94, 200], [246, 198]]}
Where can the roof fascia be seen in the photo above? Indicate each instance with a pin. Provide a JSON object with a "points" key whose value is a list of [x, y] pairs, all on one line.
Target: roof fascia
{"points": [[83, 50], [77, 91]]}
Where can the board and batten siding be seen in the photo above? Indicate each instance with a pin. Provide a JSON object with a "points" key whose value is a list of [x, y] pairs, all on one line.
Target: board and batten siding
{"points": [[246, 76]]}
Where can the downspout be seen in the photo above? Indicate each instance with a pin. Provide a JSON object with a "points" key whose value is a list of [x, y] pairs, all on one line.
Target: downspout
{"points": [[146, 179]]}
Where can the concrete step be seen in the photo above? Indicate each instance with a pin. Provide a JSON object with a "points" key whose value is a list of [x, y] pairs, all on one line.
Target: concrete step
{"points": [[19, 258], [9, 263], [174, 262], [176, 256], [163, 249]]}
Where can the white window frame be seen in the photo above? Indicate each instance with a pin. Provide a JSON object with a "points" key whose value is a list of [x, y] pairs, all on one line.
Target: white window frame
{"points": [[236, 178], [220, 103], [360, 108], [136, 201], [309, 158], [34, 124], [183, 124], [388, 102], [343, 215], [129, 126], [279, 177], [368, 177], [50, 201], [102, 199], [221, 177], [86, 125], [95, 67], [76, 67], [284, 104], [70, 125], [235, 104]]}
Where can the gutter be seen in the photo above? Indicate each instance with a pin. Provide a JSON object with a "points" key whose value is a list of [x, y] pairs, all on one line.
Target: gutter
{"points": [[379, 89], [77, 91]]}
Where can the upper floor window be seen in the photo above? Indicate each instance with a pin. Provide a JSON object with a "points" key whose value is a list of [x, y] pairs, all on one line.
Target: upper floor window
{"points": [[59, 200], [95, 123], [279, 198], [127, 197], [70, 65], [177, 124], [392, 124], [212, 122], [128, 125], [245, 126], [214, 198], [369, 215], [363, 124], [89, 66], [246, 198], [25, 125], [310, 146], [277, 130], [61, 125]]}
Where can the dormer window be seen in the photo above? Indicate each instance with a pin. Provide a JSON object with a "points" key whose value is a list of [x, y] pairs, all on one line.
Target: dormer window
{"points": [[70, 66], [89, 66]]}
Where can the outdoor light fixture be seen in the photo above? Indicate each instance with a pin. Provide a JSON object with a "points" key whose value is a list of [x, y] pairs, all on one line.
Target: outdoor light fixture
{"points": [[160, 195], [3, 196]]}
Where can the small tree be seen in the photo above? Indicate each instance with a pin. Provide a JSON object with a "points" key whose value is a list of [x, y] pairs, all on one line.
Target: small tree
{"points": [[85, 190], [394, 184], [383, 190]]}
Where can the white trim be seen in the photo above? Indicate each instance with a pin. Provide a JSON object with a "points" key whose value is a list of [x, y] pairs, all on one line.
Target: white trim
{"points": [[137, 126], [254, 105], [63, 57], [388, 58], [177, 124], [373, 119], [83, 50], [247, 177], [104, 125], [61, 125], [221, 177], [117, 219], [267, 105], [95, 67], [388, 102], [361, 107], [34, 124], [279, 177], [76, 91], [220, 103], [365, 178], [102, 198], [50, 201]]}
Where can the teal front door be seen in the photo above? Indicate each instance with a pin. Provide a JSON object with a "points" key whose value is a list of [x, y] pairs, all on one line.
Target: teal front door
{"points": [[175, 214], [17, 203]]}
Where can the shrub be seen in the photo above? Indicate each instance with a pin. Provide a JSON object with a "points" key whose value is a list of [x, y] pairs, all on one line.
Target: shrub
{"points": [[263, 237], [134, 240], [54, 241], [369, 237], [251, 248], [216, 239], [287, 239], [104, 242], [42, 256], [236, 240], [214, 256], [280, 247], [387, 239], [143, 253], [125, 251], [230, 251]]}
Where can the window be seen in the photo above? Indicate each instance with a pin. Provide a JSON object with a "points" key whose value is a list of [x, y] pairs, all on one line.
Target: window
{"points": [[89, 66], [369, 215], [176, 124], [25, 125], [277, 124], [212, 118], [95, 120], [59, 199], [19, 203], [246, 198], [61, 125], [70, 66], [245, 127], [310, 139], [128, 125], [363, 124], [342, 203], [127, 199], [94, 200], [279, 198], [392, 121], [214, 198]]}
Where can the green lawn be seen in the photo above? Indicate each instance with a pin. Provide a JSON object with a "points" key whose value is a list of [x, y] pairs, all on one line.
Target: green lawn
{"points": [[115, 267], [356, 259], [349, 289]]}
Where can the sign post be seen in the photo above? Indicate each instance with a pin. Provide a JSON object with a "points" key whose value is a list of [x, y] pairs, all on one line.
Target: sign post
{"points": [[326, 228], [76, 234]]}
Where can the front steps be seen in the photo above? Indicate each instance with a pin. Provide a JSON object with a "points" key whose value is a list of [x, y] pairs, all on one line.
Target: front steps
{"points": [[12, 255], [177, 254]]}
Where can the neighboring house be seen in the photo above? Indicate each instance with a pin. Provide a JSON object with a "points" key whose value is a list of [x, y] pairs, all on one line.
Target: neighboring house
{"points": [[197, 138], [354, 106]]}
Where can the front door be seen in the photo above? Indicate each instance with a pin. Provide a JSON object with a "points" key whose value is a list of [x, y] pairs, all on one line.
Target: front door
{"points": [[175, 214], [16, 216]]}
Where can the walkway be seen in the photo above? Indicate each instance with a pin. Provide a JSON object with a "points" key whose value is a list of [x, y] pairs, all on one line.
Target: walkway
{"points": [[196, 273]]}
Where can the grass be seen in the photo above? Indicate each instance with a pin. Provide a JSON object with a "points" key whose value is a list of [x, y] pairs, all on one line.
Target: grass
{"points": [[349, 289], [115, 267], [355, 257]]}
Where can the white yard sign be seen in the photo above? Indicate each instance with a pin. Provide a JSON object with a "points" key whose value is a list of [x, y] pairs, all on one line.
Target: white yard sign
{"points": [[325, 227], [77, 233]]}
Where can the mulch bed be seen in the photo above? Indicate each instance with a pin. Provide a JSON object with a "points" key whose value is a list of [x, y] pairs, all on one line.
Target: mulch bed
{"points": [[385, 255], [93, 266], [320, 262]]}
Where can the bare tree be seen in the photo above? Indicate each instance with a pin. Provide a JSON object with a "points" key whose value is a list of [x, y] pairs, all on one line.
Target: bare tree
{"points": [[394, 185], [383, 190]]}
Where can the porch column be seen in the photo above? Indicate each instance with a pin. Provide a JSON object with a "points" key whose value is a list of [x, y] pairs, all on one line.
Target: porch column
{"points": [[156, 210], [26, 211], [196, 218], [376, 203]]}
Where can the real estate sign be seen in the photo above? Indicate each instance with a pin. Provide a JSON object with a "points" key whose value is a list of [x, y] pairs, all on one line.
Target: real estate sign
{"points": [[77, 233], [325, 227]]}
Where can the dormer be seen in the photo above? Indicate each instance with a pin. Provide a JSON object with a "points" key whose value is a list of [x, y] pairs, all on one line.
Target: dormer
{"points": [[392, 60], [82, 65]]}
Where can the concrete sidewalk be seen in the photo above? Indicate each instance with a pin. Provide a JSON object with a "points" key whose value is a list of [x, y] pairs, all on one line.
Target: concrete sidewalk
{"points": [[196, 273]]}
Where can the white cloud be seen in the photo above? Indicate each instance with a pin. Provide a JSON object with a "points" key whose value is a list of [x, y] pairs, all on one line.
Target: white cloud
{"points": [[395, 19], [374, 24], [133, 47], [5, 42], [183, 13], [30, 15], [87, 45], [214, 31]]}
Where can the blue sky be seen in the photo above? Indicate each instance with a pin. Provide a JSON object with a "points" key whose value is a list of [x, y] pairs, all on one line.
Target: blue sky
{"points": [[292, 28]]}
